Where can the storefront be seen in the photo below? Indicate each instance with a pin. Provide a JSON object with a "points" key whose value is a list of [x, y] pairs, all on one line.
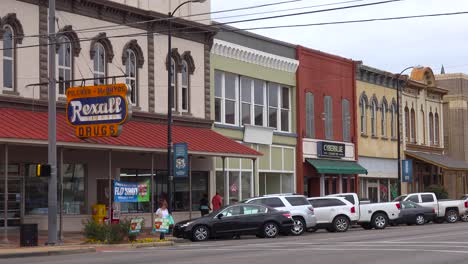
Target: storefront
{"points": [[380, 184], [88, 167], [329, 167]]}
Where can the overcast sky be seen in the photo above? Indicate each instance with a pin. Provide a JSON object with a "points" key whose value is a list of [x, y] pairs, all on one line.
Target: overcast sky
{"points": [[387, 45]]}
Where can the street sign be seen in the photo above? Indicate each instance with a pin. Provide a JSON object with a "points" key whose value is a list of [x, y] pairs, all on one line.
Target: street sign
{"points": [[407, 170], [98, 111], [181, 165]]}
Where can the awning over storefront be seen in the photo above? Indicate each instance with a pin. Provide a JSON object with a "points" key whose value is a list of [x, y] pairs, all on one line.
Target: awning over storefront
{"points": [[29, 127], [445, 162], [336, 166]]}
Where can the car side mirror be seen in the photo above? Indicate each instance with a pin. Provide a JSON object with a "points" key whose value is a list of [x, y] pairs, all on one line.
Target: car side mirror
{"points": [[220, 216]]}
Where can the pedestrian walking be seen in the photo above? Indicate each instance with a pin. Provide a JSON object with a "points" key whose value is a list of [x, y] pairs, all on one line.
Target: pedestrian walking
{"points": [[204, 205], [217, 202], [162, 212]]}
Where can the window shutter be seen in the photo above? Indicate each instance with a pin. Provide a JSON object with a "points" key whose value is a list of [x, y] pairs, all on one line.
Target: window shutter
{"points": [[328, 118], [346, 120], [310, 131]]}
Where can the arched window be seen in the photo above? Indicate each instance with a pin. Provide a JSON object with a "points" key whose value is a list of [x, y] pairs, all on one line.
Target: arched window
{"points": [[383, 120], [100, 64], [9, 46], [346, 119], [173, 85], [363, 108], [185, 86], [393, 125], [431, 128], [65, 62], [413, 125], [131, 74], [436, 129], [423, 127], [373, 118], [310, 120], [407, 124]]}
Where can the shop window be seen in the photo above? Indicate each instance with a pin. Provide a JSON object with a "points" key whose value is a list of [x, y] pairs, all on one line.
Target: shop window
{"points": [[182, 191], [246, 185], [135, 176], [310, 118]]}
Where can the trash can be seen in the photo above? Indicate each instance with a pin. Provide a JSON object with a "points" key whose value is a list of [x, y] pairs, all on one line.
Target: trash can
{"points": [[28, 235]]}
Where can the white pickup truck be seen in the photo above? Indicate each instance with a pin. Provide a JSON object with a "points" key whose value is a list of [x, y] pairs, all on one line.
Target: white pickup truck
{"points": [[372, 215], [448, 210]]}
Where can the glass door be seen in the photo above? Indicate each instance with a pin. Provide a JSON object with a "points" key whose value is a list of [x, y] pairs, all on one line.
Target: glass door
{"points": [[15, 187]]}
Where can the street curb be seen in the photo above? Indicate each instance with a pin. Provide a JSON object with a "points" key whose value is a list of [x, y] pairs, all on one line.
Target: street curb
{"points": [[154, 244], [47, 253]]}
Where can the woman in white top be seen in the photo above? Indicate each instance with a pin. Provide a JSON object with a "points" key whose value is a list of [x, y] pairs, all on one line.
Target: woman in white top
{"points": [[162, 212]]}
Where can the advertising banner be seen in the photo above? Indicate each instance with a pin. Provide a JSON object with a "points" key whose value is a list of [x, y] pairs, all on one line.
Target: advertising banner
{"points": [[131, 192], [181, 165], [135, 225], [162, 224], [98, 111], [407, 170]]}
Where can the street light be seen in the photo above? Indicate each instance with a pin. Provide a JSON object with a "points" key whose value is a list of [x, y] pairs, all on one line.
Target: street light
{"points": [[398, 126], [169, 102]]}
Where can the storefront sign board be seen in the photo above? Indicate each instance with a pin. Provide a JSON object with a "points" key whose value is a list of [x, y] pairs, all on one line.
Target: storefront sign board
{"points": [[330, 149]]}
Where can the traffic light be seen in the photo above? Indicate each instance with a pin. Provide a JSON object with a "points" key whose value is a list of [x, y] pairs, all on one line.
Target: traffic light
{"points": [[43, 170]]}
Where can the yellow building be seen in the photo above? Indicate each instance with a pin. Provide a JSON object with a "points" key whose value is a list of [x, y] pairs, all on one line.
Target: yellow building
{"points": [[377, 130]]}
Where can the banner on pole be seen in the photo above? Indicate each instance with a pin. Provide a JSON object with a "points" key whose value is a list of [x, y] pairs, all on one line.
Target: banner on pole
{"points": [[181, 165], [131, 192], [407, 170]]}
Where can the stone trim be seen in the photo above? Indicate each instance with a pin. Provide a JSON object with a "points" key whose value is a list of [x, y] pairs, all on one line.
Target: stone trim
{"points": [[133, 45], [177, 60], [67, 31], [241, 53], [11, 20], [187, 57], [207, 73], [102, 38], [43, 52], [151, 75]]}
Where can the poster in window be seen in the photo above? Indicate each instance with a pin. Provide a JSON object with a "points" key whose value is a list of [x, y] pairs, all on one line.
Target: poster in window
{"points": [[130, 192]]}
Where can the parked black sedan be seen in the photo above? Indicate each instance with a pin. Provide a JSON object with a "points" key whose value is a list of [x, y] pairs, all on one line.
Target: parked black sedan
{"points": [[236, 220], [413, 213]]}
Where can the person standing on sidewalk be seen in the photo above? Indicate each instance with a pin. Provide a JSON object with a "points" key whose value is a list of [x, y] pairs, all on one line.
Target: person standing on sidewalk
{"points": [[217, 202], [162, 212], [204, 205]]}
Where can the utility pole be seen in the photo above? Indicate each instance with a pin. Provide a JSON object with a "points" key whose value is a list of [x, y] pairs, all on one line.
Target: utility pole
{"points": [[52, 150]]}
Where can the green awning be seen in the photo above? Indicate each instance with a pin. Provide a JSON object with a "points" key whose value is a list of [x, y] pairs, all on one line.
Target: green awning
{"points": [[336, 166]]}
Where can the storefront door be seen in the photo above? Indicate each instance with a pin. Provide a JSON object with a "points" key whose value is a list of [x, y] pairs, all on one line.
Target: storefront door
{"points": [[15, 187], [373, 192]]}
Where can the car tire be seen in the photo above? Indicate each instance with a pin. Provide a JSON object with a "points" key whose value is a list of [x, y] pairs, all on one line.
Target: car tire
{"points": [[379, 221], [299, 226], [200, 233], [451, 216], [341, 223], [270, 230], [464, 218], [420, 219]]}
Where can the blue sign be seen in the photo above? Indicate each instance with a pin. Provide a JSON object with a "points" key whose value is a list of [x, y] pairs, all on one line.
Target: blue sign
{"points": [[131, 192], [407, 170], [97, 110], [181, 165]]}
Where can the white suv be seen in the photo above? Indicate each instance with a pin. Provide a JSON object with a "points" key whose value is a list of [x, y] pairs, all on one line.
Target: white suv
{"points": [[301, 210], [333, 213]]}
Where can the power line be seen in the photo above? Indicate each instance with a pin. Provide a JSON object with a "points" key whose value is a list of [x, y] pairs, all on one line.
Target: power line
{"points": [[218, 24]]}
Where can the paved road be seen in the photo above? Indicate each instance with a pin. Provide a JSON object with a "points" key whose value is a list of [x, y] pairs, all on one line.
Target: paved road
{"points": [[432, 243]]}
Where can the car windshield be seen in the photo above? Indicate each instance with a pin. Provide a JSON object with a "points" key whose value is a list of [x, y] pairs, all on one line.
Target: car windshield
{"points": [[400, 198]]}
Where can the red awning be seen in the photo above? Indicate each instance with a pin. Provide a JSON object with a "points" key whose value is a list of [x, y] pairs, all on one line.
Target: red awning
{"points": [[22, 126]]}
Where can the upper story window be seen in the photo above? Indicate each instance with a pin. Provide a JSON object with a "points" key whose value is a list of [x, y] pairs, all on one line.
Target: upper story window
{"points": [[423, 127], [65, 59], [436, 129], [241, 100], [310, 118], [9, 46], [100, 65], [346, 119], [173, 85], [185, 86], [431, 128], [413, 126], [393, 120], [407, 124], [131, 74], [363, 114], [374, 118], [328, 114], [383, 120]]}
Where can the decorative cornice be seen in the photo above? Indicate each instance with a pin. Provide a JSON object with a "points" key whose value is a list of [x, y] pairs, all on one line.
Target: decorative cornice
{"points": [[451, 76], [241, 53]]}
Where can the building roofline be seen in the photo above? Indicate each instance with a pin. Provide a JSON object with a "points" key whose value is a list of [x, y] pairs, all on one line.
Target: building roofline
{"points": [[328, 55], [451, 76]]}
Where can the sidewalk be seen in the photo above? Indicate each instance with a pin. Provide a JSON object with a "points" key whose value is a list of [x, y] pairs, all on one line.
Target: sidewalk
{"points": [[73, 243]]}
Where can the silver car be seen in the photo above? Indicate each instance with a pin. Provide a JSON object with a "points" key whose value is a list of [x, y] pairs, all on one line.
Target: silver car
{"points": [[301, 210]]}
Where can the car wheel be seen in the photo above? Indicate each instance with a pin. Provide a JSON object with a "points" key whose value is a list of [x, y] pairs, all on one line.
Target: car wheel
{"points": [[200, 233], [270, 230], [464, 218], [298, 227], [420, 220], [451, 216], [379, 221], [341, 224]]}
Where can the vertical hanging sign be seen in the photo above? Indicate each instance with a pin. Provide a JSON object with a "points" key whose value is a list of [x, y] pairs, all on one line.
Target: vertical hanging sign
{"points": [[181, 160], [407, 170]]}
